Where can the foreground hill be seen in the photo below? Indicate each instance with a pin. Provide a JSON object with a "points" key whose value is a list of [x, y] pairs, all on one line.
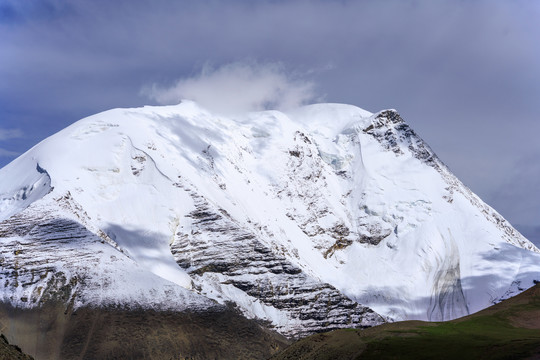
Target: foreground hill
{"points": [[508, 330], [51, 331], [11, 352]]}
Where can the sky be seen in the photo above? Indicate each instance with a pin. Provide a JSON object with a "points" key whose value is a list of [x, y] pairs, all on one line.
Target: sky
{"points": [[464, 74]]}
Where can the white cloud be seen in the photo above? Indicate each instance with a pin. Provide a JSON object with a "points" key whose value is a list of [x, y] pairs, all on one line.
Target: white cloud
{"points": [[6, 134], [7, 153], [238, 87]]}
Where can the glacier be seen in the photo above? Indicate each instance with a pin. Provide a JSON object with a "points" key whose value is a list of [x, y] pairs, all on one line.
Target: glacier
{"points": [[325, 216]]}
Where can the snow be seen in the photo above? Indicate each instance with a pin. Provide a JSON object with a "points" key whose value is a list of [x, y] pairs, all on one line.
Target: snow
{"points": [[21, 187], [290, 178]]}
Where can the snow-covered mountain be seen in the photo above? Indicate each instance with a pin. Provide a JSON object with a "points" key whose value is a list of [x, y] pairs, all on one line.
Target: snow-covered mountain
{"points": [[323, 217]]}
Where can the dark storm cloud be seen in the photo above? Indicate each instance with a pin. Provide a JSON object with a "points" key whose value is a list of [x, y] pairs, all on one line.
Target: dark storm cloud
{"points": [[465, 74]]}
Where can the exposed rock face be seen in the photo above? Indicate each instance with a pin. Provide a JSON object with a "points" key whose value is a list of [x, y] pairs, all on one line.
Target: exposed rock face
{"points": [[229, 263], [30, 258], [46, 256], [393, 133]]}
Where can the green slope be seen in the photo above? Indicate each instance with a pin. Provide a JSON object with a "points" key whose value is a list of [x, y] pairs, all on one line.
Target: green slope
{"points": [[508, 330]]}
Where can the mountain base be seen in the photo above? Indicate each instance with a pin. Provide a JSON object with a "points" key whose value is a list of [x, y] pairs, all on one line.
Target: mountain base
{"points": [[51, 332]]}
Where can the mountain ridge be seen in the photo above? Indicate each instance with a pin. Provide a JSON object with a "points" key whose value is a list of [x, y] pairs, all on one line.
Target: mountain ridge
{"points": [[322, 217]]}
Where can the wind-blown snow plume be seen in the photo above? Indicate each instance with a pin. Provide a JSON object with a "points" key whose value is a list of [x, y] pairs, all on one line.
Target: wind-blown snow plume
{"points": [[238, 87]]}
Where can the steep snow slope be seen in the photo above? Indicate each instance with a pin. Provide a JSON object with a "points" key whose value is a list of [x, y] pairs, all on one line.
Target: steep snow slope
{"points": [[301, 218]]}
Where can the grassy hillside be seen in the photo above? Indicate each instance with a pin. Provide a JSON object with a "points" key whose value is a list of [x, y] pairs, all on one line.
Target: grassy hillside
{"points": [[508, 330]]}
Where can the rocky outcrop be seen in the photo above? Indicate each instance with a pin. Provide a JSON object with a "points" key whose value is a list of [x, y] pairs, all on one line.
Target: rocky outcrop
{"points": [[394, 134], [219, 254]]}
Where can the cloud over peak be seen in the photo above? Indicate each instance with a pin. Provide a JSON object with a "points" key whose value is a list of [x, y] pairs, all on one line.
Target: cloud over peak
{"points": [[238, 87]]}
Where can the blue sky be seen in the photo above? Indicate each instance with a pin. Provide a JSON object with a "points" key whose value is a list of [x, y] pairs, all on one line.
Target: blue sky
{"points": [[464, 74]]}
